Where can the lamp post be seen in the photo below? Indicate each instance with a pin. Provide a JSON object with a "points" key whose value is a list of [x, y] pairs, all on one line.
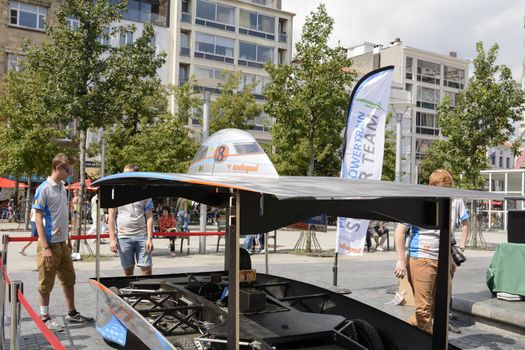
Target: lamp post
{"points": [[204, 208], [396, 107]]}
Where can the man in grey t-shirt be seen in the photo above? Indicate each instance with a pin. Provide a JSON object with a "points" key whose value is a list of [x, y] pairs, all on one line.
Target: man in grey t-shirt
{"points": [[134, 225]]}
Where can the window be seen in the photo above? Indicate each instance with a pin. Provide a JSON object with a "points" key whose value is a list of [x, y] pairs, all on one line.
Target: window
{"points": [[184, 44], [257, 21], [185, 11], [185, 7], [151, 11], [104, 38], [209, 73], [73, 22], [183, 73], [201, 153], [427, 98], [246, 148], [422, 146], [501, 162], [452, 95], [408, 68], [27, 16], [454, 77], [426, 124], [207, 10], [14, 62], [507, 162], [214, 47], [126, 38], [428, 72], [248, 78], [254, 53]]}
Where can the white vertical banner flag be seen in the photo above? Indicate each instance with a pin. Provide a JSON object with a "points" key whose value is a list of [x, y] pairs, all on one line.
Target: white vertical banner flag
{"points": [[363, 150]]}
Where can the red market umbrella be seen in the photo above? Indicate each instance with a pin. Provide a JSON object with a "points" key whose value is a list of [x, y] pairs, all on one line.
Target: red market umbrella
{"points": [[8, 183], [76, 186]]}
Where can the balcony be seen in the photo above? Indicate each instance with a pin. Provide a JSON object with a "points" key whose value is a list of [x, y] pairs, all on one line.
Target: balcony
{"points": [[185, 17], [283, 38], [256, 33], [185, 51], [214, 24], [266, 3]]}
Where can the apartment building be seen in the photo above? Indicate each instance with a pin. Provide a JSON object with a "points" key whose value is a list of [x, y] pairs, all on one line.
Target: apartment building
{"points": [[422, 79], [211, 37], [201, 38]]}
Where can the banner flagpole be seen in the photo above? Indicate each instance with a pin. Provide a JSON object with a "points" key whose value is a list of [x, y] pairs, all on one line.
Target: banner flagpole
{"points": [[363, 147]]}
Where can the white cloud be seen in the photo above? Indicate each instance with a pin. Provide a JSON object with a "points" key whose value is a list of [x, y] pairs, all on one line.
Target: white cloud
{"points": [[438, 26]]}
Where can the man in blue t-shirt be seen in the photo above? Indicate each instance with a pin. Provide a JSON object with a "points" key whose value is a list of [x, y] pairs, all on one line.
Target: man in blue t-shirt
{"points": [[54, 246]]}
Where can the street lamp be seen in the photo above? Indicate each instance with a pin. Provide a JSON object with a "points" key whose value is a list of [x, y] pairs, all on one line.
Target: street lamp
{"points": [[396, 108]]}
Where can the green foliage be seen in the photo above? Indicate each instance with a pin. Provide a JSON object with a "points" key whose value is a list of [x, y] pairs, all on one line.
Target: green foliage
{"points": [[27, 141], [85, 78], [308, 101], [233, 108], [388, 172], [162, 144], [482, 117], [189, 102]]}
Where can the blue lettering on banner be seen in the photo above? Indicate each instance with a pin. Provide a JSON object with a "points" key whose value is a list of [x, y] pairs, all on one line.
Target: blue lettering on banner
{"points": [[355, 161]]}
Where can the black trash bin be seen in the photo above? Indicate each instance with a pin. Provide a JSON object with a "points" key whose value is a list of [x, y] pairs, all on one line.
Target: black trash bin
{"points": [[516, 226]]}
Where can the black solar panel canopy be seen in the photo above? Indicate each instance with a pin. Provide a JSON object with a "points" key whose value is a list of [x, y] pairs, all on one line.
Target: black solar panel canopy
{"points": [[270, 203], [267, 203]]}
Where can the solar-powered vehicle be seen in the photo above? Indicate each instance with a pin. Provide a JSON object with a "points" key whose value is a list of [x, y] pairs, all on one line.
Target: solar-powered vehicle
{"points": [[240, 308]]}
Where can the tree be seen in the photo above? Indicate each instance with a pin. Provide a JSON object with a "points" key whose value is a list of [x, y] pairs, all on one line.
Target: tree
{"points": [[388, 172], [482, 117], [233, 108], [308, 101], [27, 141], [88, 80], [162, 144]]}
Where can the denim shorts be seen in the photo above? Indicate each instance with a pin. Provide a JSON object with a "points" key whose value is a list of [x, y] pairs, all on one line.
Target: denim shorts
{"points": [[132, 250]]}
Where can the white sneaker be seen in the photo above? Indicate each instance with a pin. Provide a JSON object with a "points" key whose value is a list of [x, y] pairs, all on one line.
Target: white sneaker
{"points": [[379, 249], [53, 326]]}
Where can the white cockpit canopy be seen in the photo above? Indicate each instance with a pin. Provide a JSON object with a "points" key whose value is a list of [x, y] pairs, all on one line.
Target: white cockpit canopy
{"points": [[232, 152]]}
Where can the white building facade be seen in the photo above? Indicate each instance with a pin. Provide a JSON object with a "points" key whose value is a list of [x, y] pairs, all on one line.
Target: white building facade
{"points": [[211, 37]]}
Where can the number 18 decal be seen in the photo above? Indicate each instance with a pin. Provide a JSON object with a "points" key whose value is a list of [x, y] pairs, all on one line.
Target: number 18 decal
{"points": [[221, 153]]}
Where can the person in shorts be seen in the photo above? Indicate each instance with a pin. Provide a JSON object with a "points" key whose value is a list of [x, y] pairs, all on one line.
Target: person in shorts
{"points": [[54, 246], [33, 232], [134, 238]]}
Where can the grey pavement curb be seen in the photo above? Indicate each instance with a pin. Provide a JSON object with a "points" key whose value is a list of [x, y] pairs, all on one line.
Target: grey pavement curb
{"points": [[487, 311]]}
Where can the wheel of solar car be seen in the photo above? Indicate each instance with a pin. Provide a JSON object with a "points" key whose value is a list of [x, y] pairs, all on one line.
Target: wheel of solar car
{"points": [[367, 335]]}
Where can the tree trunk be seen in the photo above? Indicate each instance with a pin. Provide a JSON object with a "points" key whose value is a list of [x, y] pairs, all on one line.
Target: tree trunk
{"points": [[82, 179], [311, 164], [28, 203]]}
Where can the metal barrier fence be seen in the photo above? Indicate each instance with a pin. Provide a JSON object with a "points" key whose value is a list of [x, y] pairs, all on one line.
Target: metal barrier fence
{"points": [[17, 300], [16, 293]]}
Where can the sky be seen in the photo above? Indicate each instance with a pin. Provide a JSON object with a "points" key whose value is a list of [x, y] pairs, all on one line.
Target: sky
{"points": [[438, 26]]}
